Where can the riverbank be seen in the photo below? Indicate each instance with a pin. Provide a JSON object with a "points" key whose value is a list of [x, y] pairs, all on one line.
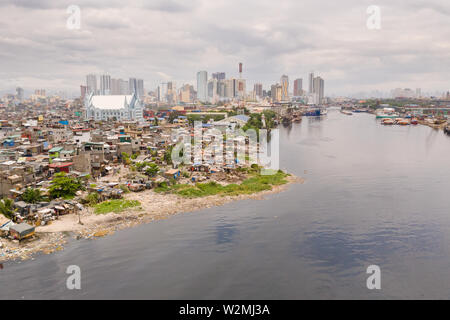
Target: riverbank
{"points": [[153, 206]]}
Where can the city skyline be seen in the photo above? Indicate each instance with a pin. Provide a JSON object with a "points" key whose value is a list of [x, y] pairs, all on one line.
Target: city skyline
{"points": [[402, 54]]}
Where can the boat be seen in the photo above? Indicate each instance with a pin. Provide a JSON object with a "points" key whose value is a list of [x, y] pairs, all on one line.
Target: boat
{"points": [[346, 112], [414, 121], [323, 112], [312, 113], [403, 122], [387, 121], [386, 113]]}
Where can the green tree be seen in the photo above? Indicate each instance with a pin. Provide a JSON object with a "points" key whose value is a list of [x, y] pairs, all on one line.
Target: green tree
{"points": [[151, 170], [63, 186], [32, 195], [6, 208]]}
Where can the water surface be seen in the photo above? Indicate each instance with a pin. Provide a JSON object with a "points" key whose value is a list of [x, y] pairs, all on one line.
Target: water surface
{"points": [[373, 195]]}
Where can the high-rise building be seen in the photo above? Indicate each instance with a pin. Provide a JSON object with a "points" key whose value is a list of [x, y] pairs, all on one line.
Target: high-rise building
{"points": [[298, 87], [202, 86], [115, 86], [319, 89], [19, 93], [91, 84], [132, 85], [187, 93], [257, 88], [105, 84], [311, 83], [140, 88], [284, 88], [39, 92], [212, 90], [83, 91], [276, 92], [218, 75]]}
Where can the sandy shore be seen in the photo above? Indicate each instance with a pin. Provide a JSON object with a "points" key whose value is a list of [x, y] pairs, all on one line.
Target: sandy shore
{"points": [[154, 206]]}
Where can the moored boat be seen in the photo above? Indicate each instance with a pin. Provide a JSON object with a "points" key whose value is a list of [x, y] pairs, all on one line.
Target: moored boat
{"points": [[346, 112], [387, 121]]}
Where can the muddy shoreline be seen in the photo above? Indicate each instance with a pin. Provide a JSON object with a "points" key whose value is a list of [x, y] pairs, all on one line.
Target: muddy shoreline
{"points": [[154, 207]]}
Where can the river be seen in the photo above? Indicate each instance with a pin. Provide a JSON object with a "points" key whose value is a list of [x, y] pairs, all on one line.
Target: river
{"points": [[374, 195]]}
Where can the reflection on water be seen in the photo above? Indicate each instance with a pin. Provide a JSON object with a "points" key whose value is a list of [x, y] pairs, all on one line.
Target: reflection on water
{"points": [[373, 195]]}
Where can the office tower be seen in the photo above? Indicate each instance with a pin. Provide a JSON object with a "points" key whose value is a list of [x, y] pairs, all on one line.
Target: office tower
{"points": [[212, 90], [171, 95], [240, 88], [276, 92], [19, 93], [123, 87], [229, 88], [284, 88], [140, 88], [319, 89], [218, 75], [132, 85], [311, 83], [39, 92], [105, 85], [298, 87], [257, 88], [418, 93], [202, 83], [115, 86], [240, 70], [91, 83], [83, 91], [187, 93]]}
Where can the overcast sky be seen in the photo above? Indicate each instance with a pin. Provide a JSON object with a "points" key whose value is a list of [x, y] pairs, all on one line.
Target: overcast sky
{"points": [[160, 40]]}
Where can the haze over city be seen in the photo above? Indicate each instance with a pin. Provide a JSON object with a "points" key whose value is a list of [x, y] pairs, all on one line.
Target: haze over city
{"points": [[172, 40]]}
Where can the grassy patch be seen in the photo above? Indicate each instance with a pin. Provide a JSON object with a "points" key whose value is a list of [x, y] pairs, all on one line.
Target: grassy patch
{"points": [[115, 206], [254, 184]]}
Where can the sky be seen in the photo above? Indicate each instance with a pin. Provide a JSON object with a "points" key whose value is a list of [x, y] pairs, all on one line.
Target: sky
{"points": [[170, 40]]}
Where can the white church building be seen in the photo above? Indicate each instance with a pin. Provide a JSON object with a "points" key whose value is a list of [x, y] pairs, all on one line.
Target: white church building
{"points": [[119, 107]]}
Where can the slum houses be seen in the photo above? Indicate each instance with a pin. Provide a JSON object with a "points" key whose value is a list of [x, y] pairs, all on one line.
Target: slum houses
{"points": [[34, 149]]}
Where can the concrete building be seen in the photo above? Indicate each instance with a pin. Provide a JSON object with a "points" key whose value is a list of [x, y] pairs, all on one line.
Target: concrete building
{"points": [[298, 87], [105, 84], [284, 88], [91, 84], [202, 86]]}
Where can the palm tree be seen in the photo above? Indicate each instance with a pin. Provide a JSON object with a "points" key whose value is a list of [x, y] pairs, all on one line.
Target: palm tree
{"points": [[6, 208]]}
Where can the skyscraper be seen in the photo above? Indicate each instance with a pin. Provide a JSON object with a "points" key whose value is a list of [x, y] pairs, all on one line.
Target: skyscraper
{"points": [[258, 90], [115, 86], [105, 84], [19, 94], [298, 87], [218, 75], [140, 88], [284, 88], [319, 89], [311, 83], [202, 86], [91, 84], [132, 85]]}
